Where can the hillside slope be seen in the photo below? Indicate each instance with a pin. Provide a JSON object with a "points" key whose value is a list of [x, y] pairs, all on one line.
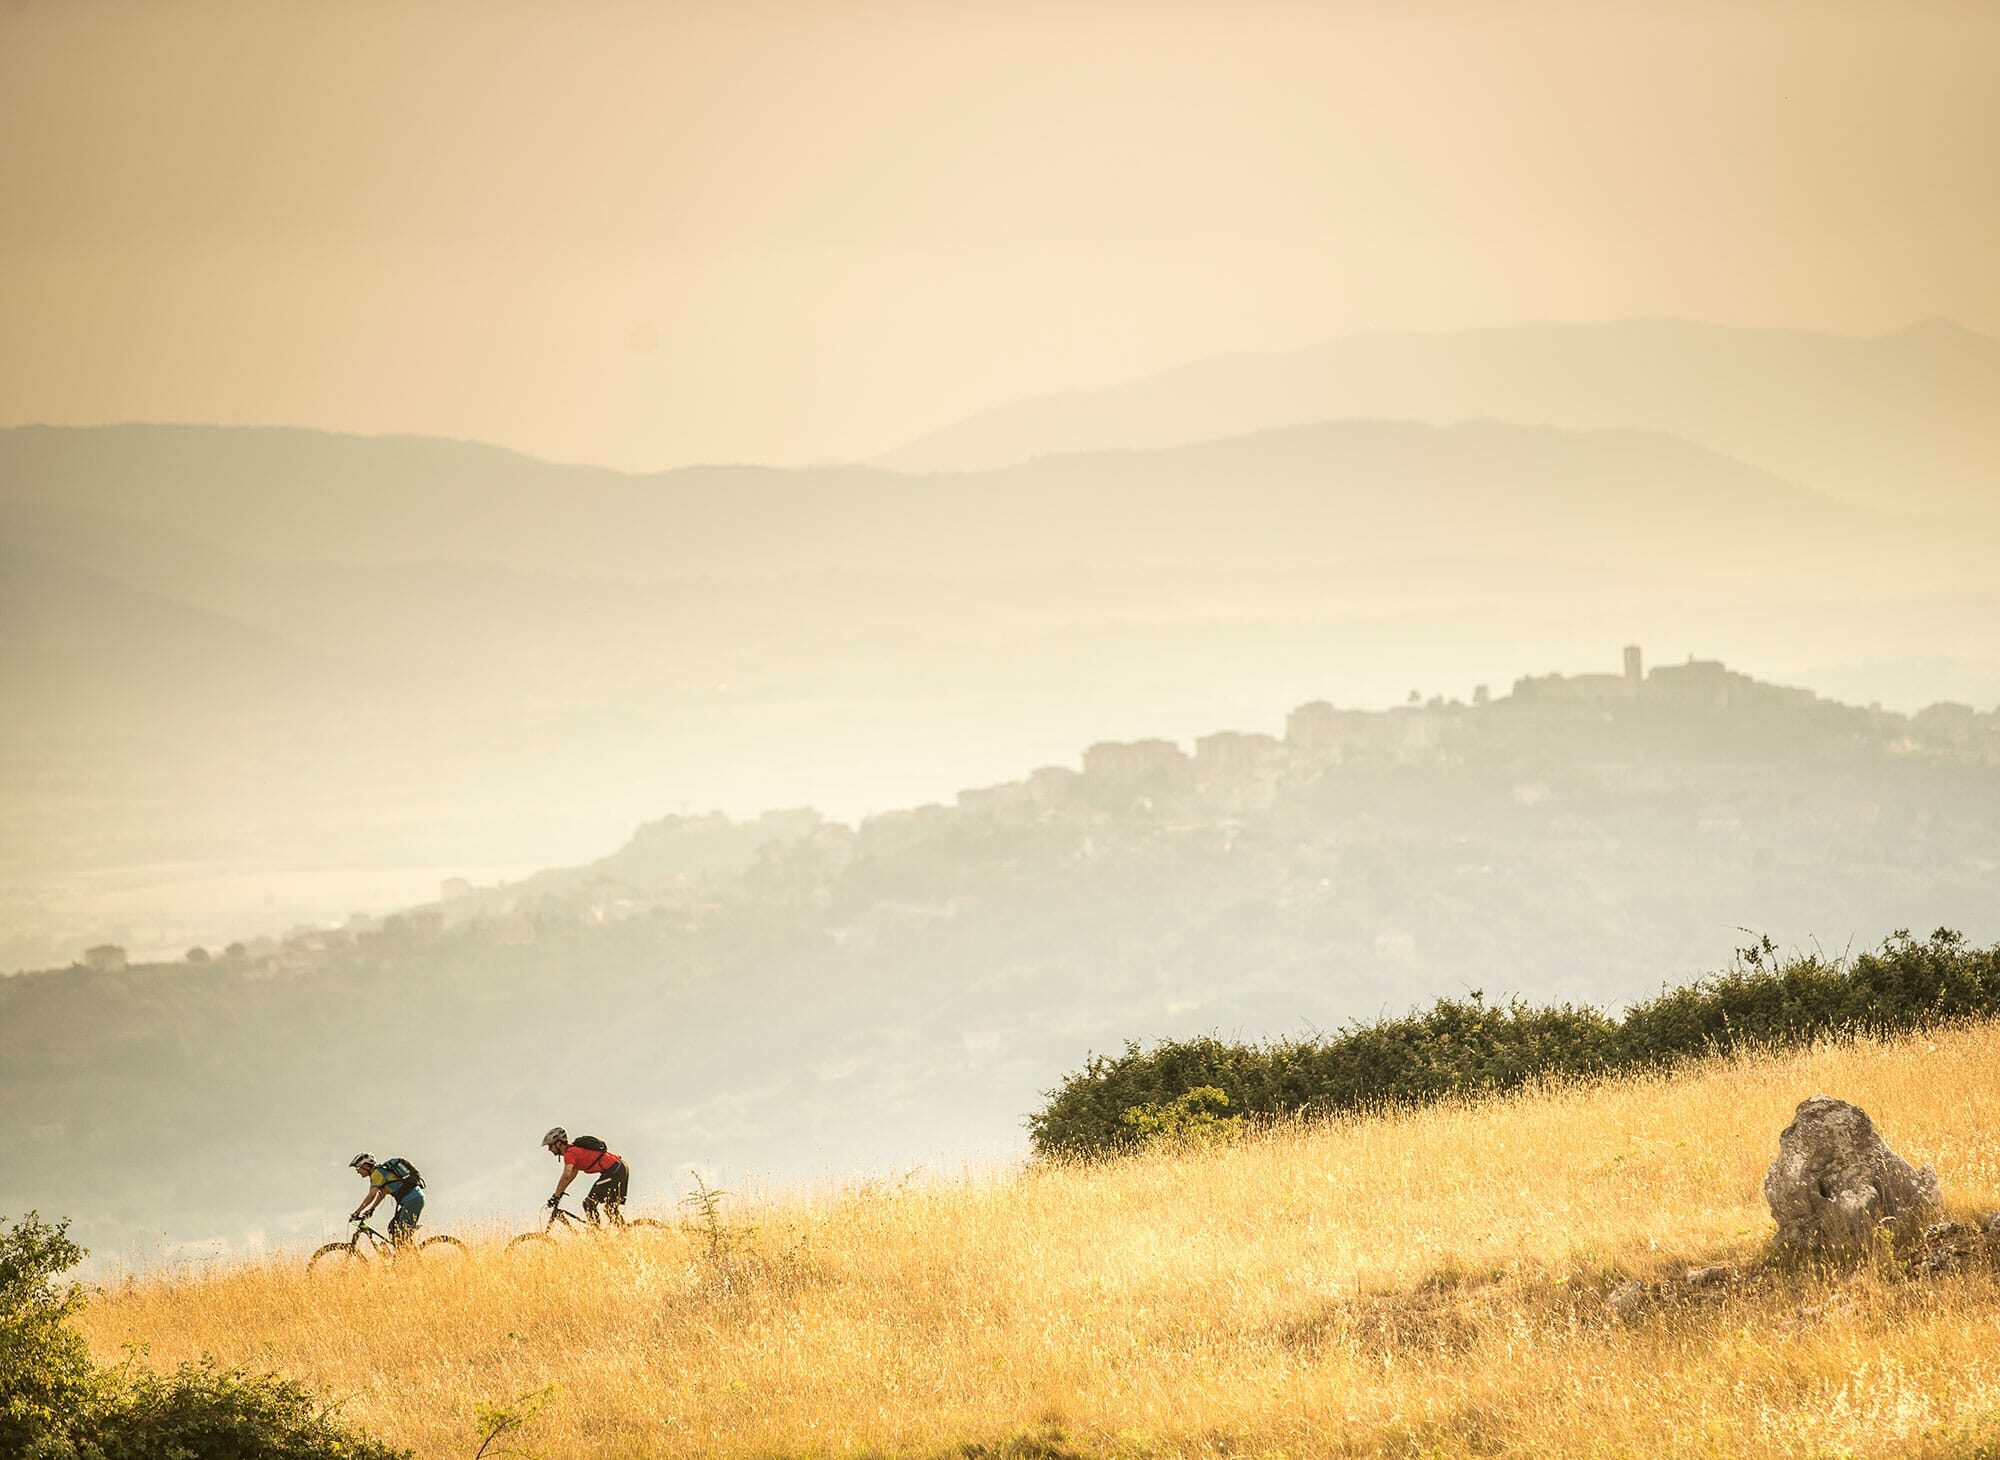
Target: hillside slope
{"points": [[1304, 496], [79, 646], [1900, 420], [1422, 1284]]}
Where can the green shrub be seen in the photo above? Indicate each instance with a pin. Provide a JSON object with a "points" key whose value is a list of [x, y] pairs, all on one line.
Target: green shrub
{"points": [[1467, 1046], [219, 1414], [46, 1377], [55, 1404], [1193, 1119]]}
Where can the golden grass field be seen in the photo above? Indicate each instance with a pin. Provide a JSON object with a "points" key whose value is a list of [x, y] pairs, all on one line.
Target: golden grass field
{"points": [[1416, 1284]]}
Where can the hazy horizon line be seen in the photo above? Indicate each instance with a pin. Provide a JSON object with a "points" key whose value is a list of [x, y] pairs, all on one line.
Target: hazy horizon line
{"points": [[871, 462]]}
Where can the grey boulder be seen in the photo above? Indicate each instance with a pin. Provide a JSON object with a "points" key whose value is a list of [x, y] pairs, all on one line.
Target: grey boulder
{"points": [[1835, 1183]]}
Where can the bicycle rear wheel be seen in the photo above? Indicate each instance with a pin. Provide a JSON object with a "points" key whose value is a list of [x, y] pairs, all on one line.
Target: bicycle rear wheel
{"points": [[650, 1223], [445, 1247], [336, 1257]]}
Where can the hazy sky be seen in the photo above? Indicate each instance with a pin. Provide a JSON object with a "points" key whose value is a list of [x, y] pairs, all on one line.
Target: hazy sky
{"points": [[650, 234]]}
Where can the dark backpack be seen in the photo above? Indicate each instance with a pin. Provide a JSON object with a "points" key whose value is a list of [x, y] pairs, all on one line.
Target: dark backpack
{"points": [[404, 1177], [590, 1143]]}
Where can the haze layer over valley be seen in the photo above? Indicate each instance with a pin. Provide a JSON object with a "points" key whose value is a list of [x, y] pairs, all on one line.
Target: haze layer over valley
{"points": [[794, 997], [276, 677]]}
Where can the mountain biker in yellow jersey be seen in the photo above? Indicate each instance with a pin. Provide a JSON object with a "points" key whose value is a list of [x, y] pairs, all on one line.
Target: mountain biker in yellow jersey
{"points": [[591, 1157], [392, 1180]]}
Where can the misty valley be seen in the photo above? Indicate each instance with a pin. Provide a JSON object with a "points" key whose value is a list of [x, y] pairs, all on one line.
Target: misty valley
{"points": [[1097, 713], [789, 997]]}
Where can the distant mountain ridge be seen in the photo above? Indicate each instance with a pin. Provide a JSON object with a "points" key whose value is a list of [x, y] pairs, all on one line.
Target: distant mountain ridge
{"points": [[448, 653], [102, 645], [1903, 420], [1298, 495]]}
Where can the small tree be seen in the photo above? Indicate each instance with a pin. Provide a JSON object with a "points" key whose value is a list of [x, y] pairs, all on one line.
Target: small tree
{"points": [[720, 1246], [46, 1377]]}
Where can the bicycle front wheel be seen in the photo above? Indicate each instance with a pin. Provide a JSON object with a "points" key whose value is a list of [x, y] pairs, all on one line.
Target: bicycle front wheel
{"points": [[531, 1240], [336, 1257]]}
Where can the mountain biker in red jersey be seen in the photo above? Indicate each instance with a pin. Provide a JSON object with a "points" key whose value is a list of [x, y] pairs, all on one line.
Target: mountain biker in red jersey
{"points": [[589, 1156]]}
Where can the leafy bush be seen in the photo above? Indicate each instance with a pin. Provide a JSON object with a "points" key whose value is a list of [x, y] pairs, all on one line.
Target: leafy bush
{"points": [[46, 1377], [219, 1414], [55, 1404], [1194, 1119], [1467, 1046]]}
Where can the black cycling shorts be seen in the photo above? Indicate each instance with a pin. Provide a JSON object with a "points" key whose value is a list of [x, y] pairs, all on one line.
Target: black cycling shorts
{"points": [[610, 1188]]}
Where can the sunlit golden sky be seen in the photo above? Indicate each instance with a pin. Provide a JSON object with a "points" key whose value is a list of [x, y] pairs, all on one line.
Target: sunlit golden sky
{"points": [[652, 234]]}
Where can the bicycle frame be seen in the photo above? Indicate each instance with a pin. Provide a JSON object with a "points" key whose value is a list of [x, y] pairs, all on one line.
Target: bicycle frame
{"points": [[381, 1240], [576, 1222], [381, 1247]]}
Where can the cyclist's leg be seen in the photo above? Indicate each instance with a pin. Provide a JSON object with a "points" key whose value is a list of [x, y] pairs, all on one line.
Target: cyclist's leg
{"points": [[409, 1211], [608, 1192]]}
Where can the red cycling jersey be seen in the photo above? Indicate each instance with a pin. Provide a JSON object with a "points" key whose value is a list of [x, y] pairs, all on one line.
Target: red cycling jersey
{"points": [[585, 1159]]}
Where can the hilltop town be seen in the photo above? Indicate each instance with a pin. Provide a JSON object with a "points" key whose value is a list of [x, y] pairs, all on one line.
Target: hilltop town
{"points": [[1560, 741]]}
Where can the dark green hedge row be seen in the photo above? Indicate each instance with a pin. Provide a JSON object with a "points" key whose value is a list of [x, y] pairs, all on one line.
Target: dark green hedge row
{"points": [[1466, 1046]]}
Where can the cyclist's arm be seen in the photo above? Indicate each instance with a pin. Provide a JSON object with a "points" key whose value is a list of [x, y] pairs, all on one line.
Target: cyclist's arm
{"points": [[562, 1184], [370, 1202]]}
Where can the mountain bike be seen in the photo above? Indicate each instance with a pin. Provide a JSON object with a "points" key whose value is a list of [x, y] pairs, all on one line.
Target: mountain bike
{"points": [[342, 1255], [563, 1220]]}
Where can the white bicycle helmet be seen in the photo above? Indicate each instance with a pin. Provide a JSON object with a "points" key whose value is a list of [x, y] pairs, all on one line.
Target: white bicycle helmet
{"points": [[361, 1161], [557, 1136]]}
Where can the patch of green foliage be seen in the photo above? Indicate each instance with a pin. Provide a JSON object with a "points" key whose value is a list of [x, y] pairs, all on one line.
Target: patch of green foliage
{"points": [[498, 1421], [46, 1376], [1193, 1119], [1467, 1046], [56, 1404]]}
